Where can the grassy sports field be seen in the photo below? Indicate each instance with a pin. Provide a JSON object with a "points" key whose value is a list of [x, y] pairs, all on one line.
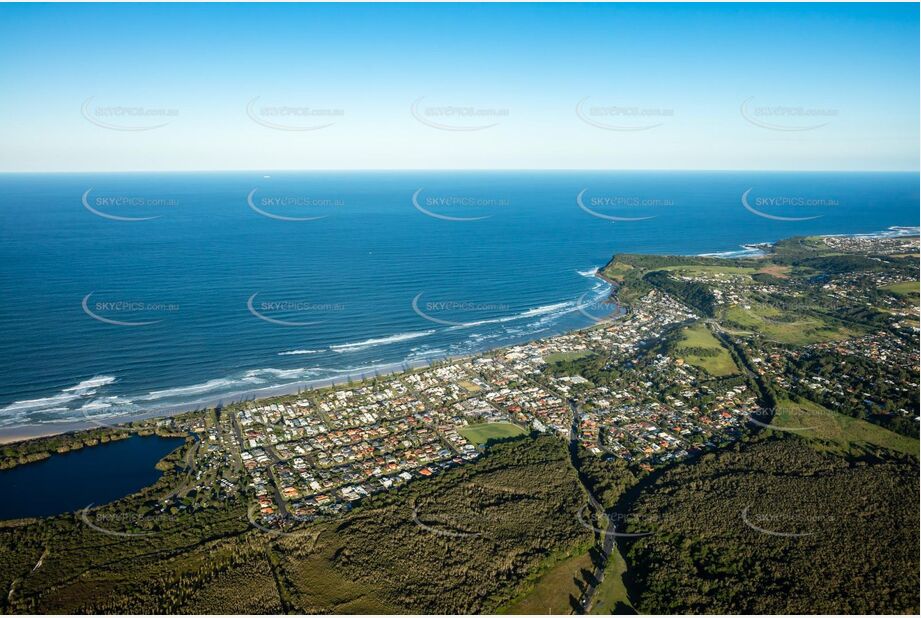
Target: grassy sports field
{"points": [[483, 432]]}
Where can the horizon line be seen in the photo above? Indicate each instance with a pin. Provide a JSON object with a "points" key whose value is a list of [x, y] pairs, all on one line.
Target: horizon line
{"points": [[466, 169]]}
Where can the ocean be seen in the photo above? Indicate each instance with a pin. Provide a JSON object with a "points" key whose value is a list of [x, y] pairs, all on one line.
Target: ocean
{"points": [[133, 294]]}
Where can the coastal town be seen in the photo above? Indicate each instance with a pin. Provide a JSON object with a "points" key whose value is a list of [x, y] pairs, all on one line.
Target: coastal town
{"points": [[319, 453]]}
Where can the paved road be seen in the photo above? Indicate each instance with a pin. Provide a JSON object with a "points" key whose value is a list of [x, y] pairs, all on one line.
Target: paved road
{"points": [[270, 451], [279, 500], [607, 538]]}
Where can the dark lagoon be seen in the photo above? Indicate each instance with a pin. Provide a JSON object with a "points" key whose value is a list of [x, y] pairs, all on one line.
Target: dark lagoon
{"points": [[93, 475]]}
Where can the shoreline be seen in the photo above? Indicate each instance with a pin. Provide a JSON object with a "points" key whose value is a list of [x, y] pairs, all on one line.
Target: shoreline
{"points": [[35, 432], [25, 433]]}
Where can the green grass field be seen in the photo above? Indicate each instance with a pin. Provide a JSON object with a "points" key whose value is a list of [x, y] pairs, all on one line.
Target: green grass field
{"points": [[753, 317], [470, 387], [617, 271], [684, 269], [905, 289], [611, 594], [813, 421], [483, 432], [776, 270], [554, 590], [698, 336], [794, 329], [566, 356]]}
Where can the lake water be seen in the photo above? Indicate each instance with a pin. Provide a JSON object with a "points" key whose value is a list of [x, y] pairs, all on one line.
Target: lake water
{"points": [[69, 482], [133, 293]]}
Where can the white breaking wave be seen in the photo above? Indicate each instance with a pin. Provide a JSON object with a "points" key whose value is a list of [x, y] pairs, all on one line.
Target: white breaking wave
{"points": [[253, 377], [530, 313], [88, 398], [364, 368], [285, 374], [84, 389], [370, 343], [105, 404], [297, 352], [418, 354], [589, 273], [93, 383], [198, 389], [895, 231], [40, 403], [483, 336], [745, 251]]}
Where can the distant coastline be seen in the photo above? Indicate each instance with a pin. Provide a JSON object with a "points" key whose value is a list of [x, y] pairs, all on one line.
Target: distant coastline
{"points": [[760, 248]]}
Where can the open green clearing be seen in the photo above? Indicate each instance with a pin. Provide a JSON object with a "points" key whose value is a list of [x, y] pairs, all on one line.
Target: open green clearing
{"points": [[710, 270], [776, 270], [611, 594], [617, 270], [782, 327], [470, 387], [905, 289], [839, 432], [698, 338], [557, 357], [483, 432], [556, 590]]}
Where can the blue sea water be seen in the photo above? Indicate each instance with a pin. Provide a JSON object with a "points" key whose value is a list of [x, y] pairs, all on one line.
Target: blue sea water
{"points": [[127, 294]]}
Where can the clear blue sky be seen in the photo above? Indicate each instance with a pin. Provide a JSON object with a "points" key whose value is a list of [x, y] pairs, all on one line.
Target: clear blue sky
{"points": [[853, 68]]}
